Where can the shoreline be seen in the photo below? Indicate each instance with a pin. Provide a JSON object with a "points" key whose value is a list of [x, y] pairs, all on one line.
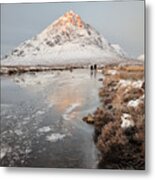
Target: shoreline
{"points": [[119, 123], [11, 70], [18, 69]]}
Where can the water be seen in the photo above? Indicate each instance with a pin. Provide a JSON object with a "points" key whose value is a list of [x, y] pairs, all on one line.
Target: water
{"points": [[41, 119]]}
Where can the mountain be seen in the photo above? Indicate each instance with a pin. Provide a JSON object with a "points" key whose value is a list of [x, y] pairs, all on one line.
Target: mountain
{"points": [[68, 40]]}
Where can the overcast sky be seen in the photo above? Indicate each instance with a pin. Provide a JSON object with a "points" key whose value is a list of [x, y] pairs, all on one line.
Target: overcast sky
{"points": [[119, 22]]}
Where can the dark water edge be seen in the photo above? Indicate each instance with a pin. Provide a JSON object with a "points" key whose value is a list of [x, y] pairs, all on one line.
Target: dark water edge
{"points": [[41, 119]]}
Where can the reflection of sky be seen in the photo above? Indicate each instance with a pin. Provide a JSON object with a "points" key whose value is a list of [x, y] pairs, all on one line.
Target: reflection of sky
{"points": [[119, 22]]}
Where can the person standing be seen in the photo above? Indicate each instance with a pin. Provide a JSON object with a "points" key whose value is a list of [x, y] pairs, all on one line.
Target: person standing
{"points": [[95, 67]]}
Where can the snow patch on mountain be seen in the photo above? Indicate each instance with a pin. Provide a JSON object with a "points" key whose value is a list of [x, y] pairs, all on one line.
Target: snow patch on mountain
{"points": [[141, 57], [117, 48]]}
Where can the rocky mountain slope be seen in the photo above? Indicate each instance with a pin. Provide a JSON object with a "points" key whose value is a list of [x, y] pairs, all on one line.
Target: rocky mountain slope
{"points": [[68, 40]]}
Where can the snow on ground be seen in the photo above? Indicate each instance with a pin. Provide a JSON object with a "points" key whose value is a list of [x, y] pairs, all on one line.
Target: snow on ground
{"points": [[135, 103], [135, 84], [126, 121]]}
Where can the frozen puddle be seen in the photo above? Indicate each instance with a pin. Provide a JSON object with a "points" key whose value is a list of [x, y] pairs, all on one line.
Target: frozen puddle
{"points": [[69, 114], [43, 127], [55, 137]]}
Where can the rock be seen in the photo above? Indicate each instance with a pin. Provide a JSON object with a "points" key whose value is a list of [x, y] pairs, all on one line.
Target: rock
{"points": [[89, 119]]}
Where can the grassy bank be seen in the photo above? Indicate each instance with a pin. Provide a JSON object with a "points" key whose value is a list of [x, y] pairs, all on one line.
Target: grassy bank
{"points": [[120, 122]]}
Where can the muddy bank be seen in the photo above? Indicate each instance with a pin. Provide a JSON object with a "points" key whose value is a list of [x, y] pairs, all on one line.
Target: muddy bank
{"points": [[120, 121]]}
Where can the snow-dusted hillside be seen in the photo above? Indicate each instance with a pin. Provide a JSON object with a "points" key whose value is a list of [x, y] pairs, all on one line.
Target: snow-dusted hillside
{"points": [[68, 40], [118, 49]]}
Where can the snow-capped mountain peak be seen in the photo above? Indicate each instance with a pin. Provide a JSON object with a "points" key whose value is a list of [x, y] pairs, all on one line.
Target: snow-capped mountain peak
{"points": [[69, 19], [68, 23], [68, 40], [70, 27]]}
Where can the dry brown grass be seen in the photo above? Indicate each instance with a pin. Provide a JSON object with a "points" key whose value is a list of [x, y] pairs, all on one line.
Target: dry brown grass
{"points": [[132, 68], [121, 148], [133, 75]]}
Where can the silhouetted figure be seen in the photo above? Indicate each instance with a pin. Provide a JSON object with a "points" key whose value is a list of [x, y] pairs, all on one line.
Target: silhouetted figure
{"points": [[91, 68], [95, 67]]}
